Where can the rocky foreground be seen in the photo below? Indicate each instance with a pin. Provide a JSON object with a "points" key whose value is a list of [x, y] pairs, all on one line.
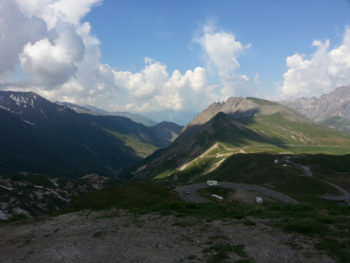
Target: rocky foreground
{"points": [[120, 236]]}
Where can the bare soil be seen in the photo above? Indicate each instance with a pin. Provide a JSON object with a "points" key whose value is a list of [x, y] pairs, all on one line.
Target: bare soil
{"points": [[120, 236]]}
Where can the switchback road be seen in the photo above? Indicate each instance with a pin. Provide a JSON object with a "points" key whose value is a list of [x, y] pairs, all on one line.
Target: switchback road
{"points": [[193, 197]]}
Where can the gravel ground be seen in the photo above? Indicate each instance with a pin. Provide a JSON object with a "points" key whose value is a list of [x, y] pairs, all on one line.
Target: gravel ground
{"points": [[119, 236]]}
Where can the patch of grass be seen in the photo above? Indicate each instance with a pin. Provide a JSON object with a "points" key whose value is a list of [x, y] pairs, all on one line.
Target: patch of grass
{"points": [[185, 223], [97, 234], [336, 249], [249, 223], [306, 227], [15, 218], [141, 197], [239, 250], [142, 149], [217, 237], [137, 221], [244, 260], [165, 174], [220, 252], [110, 214]]}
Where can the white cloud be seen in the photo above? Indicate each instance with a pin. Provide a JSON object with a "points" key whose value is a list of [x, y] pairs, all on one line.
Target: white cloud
{"points": [[57, 11], [46, 41], [15, 31], [322, 72], [50, 64], [154, 89], [221, 50], [59, 58]]}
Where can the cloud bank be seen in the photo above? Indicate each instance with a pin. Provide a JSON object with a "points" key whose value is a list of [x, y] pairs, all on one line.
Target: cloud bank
{"points": [[322, 72], [46, 48]]}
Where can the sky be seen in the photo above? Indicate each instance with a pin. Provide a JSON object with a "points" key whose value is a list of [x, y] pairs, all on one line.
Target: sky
{"points": [[162, 55]]}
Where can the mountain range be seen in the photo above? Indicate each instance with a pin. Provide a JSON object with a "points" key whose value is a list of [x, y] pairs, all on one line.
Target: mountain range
{"points": [[332, 109], [245, 140], [40, 136], [67, 139], [96, 111], [232, 128]]}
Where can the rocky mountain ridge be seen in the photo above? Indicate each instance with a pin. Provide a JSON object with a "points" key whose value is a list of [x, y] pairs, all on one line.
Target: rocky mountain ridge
{"points": [[88, 109], [332, 109], [39, 136], [239, 125]]}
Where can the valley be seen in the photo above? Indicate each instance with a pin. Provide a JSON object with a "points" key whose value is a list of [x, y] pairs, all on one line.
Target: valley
{"points": [[124, 174]]}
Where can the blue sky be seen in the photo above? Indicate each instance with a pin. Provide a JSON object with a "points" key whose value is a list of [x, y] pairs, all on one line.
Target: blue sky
{"points": [[164, 30], [162, 55]]}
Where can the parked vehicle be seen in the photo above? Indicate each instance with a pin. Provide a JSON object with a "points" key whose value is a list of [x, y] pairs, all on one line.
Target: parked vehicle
{"points": [[259, 200], [212, 182]]}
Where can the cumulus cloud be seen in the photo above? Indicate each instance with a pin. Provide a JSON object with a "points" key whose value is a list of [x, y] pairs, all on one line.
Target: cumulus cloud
{"points": [[49, 50], [221, 50], [54, 12], [153, 88], [319, 73], [45, 39], [53, 51], [51, 64], [15, 31]]}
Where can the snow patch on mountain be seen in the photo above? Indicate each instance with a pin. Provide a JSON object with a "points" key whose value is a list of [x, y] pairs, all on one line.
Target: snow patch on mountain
{"points": [[28, 122], [23, 101]]}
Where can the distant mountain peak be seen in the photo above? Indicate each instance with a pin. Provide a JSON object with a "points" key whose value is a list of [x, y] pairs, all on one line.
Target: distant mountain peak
{"points": [[238, 125], [29, 106], [332, 109], [239, 107], [20, 99]]}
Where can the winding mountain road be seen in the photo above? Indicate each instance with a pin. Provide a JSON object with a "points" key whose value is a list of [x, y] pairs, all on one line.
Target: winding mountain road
{"points": [[345, 195], [306, 169], [189, 194]]}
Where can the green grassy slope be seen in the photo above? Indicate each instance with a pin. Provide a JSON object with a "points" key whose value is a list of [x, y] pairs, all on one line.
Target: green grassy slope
{"points": [[220, 147]]}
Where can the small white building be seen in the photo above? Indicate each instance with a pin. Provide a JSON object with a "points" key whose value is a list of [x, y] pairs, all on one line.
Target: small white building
{"points": [[212, 182]]}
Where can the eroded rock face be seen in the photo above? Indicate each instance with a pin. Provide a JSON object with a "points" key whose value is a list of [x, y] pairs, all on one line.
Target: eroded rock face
{"points": [[333, 104], [238, 108], [235, 107]]}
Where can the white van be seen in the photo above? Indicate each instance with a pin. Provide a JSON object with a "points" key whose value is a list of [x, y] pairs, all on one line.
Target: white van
{"points": [[212, 182]]}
